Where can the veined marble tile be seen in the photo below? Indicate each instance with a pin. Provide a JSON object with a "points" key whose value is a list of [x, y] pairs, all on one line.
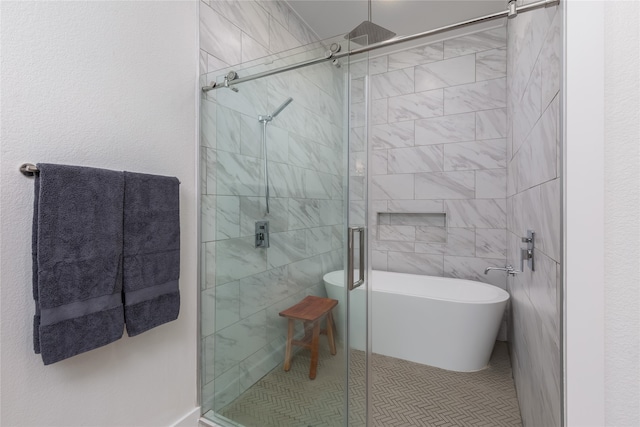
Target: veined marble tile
{"points": [[402, 233], [394, 246], [477, 42], [227, 305], [491, 124], [471, 268], [393, 135], [262, 290], [491, 243], [379, 260], [392, 187], [460, 242], [416, 106], [378, 65], [251, 100], [445, 185], [528, 110], [251, 49], [357, 164], [209, 263], [356, 188], [491, 64], [543, 293], [304, 153], [227, 217], [452, 128], [430, 219], [215, 64], [253, 209], [278, 9], [379, 162], [238, 258], [303, 213], [256, 366], [330, 108], [410, 206], [416, 159], [251, 18], [548, 238], [491, 184], [226, 387], [450, 72], [203, 62], [485, 95], [317, 185], [280, 39], [207, 307], [295, 85], [358, 115], [208, 218], [392, 83], [551, 62], [306, 272], [485, 213], [356, 139], [228, 126], [286, 180], [300, 30], [430, 248], [431, 234], [239, 341], [286, 248], [319, 240], [208, 124], [379, 111], [203, 170], [416, 56], [277, 144], [207, 359], [238, 175], [489, 154], [219, 37], [415, 263], [330, 212]]}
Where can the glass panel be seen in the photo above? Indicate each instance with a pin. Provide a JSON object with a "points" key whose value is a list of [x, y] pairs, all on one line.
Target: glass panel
{"points": [[244, 339], [359, 344]]}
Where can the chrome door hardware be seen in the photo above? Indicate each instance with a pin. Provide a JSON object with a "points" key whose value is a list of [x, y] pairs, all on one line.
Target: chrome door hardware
{"points": [[527, 253], [351, 285], [510, 270], [262, 234]]}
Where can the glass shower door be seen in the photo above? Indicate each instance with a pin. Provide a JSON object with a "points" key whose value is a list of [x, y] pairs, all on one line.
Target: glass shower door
{"points": [[303, 152]]}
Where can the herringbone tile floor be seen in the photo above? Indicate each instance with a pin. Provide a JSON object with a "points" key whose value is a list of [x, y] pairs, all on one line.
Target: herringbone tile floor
{"points": [[404, 394]]}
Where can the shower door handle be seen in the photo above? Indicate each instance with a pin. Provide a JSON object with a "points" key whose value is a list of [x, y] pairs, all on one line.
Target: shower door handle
{"points": [[351, 284]]}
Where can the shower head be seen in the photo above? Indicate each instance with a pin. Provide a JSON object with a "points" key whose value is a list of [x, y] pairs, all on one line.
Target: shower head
{"points": [[281, 107], [374, 32]]}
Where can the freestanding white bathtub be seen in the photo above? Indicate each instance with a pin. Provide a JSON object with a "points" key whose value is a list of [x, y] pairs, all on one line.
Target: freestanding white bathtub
{"points": [[442, 322]]}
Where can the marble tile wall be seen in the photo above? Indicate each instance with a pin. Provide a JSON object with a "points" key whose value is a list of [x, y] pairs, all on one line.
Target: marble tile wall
{"points": [[534, 202], [244, 288], [438, 147]]}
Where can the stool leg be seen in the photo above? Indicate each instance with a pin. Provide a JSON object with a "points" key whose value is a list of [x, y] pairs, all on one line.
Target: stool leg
{"points": [[287, 354], [314, 349], [330, 336]]}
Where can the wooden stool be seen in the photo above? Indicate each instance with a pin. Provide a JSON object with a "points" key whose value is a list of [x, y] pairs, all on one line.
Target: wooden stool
{"points": [[311, 311]]}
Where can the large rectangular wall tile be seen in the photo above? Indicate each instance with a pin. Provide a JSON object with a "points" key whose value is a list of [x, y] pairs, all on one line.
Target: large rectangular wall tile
{"points": [[491, 64], [460, 242], [431, 219], [382, 245], [379, 111], [488, 154], [303, 213], [286, 248], [239, 341], [227, 217], [253, 209], [445, 185], [416, 106], [452, 128], [252, 49], [478, 96], [414, 160], [392, 83], [410, 206], [227, 305], [400, 233], [392, 187], [228, 129], [247, 15], [491, 243], [393, 135], [262, 290], [415, 263], [446, 73], [280, 39], [238, 258], [488, 213], [471, 268], [416, 56], [477, 42], [238, 175], [491, 184], [431, 234], [219, 37], [491, 124]]}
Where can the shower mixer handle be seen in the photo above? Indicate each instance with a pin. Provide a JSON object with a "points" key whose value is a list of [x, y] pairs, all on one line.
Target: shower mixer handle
{"points": [[508, 269]]}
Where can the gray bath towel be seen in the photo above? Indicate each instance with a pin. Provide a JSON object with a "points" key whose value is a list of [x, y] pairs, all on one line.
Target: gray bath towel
{"points": [[77, 252], [151, 251]]}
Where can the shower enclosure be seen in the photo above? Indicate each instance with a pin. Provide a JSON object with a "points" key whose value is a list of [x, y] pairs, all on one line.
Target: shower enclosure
{"points": [[407, 159]]}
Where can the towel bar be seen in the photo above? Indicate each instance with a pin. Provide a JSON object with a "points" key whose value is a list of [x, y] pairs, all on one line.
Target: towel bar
{"points": [[28, 169]]}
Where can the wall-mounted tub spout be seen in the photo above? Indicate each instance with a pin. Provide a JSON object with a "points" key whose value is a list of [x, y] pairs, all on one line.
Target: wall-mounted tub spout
{"points": [[510, 270]]}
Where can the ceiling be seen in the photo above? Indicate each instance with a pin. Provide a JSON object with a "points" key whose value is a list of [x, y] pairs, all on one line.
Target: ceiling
{"points": [[329, 18]]}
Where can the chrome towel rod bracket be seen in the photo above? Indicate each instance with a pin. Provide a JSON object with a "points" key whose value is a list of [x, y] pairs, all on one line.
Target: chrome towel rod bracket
{"points": [[28, 169]]}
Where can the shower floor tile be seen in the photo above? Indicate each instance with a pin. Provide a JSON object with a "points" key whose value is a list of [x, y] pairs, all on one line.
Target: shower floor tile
{"points": [[403, 394]]}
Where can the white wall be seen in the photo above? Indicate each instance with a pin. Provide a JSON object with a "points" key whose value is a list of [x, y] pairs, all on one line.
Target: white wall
{"points": [[110, 85], [622, 204]]}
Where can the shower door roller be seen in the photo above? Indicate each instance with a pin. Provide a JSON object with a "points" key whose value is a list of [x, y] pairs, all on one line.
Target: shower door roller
{"points": [[351, 285]]}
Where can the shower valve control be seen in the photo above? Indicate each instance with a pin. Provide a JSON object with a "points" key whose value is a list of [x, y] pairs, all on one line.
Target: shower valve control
{"points": [[526, 254], [262, 234]]}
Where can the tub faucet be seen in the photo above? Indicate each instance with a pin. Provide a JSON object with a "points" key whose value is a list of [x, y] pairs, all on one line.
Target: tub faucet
{"points": [[510, 270]]}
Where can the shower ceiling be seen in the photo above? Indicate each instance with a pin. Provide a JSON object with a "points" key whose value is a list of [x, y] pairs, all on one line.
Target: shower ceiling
{"points": [[404, 17]]}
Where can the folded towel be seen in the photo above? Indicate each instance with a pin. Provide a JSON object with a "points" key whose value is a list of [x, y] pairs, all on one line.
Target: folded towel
{"points": [[151, 251], [77, 252]]}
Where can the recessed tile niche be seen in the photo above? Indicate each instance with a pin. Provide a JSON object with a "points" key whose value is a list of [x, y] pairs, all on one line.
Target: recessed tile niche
{"points": [[427, 227]]}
